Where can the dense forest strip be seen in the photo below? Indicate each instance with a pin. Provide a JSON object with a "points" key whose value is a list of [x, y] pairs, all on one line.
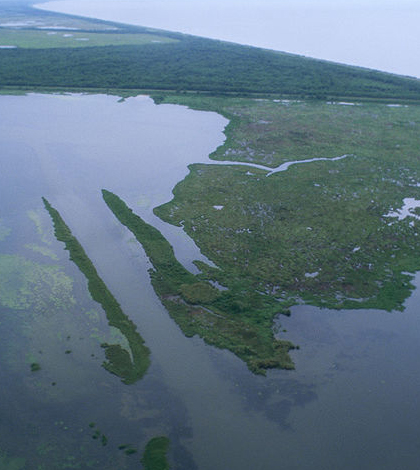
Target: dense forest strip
{"points": [[185, 63], [195, 64], [131, 365], [238, 319]]}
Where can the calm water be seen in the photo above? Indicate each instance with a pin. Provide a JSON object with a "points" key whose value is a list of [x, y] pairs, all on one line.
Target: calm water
{"points": [[351, 403]]}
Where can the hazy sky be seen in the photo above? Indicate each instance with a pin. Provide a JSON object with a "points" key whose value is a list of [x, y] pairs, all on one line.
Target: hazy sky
{"points": [[381, 34]]}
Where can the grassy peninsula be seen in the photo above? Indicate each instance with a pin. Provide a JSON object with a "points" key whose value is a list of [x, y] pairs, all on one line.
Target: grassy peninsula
{"points": [[130, 365], [319, 232], [234, 319]]}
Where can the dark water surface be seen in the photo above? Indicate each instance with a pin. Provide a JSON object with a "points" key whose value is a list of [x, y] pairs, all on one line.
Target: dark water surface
{"points": [[351, 404]]}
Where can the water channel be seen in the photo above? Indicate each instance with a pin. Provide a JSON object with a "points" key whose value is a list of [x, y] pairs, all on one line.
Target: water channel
{"points": [[351, 403]]}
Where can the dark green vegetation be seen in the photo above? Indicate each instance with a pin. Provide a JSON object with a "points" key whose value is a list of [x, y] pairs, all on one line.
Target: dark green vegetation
{"points": [[35, 367], [154, 457], [238, 319], [130, 365], [189, 63], [128, 449], [317, 232], [98, 435]]}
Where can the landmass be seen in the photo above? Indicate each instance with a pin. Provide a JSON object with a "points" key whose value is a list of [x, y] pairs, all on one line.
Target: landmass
{"points": [[237, 318], [43, 50], [322, 232], [130, 365]]}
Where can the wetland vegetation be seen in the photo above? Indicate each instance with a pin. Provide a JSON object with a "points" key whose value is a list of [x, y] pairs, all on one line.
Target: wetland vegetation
{"points": [[317, 233], [130, 365], [320, 233], [234, 319]]}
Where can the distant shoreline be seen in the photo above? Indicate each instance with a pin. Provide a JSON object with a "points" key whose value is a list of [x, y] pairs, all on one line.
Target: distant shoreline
{"points": [[382, 38]]}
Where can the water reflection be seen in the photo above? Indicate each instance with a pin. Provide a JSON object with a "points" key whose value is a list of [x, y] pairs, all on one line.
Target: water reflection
{"points": [[351, 403]]}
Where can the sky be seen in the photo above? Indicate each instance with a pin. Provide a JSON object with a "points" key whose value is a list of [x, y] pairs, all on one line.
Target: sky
{"points": [[379, 34]]}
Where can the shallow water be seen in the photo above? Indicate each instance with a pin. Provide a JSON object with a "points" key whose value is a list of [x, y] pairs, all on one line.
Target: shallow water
{"points": [[283, 166], [351, 403]]}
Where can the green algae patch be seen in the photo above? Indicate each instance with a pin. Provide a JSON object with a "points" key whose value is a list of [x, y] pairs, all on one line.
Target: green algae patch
{"points": [[154, 456], [26, 284], [4, 231], [11, 463], [43, 250], [36, 219], [234, 319], [130, 365]]}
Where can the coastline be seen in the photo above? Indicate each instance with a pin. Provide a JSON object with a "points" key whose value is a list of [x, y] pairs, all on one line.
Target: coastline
{"points": [[393, 28]]}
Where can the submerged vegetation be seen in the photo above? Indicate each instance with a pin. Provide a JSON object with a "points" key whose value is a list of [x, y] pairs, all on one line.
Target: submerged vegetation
{"points": [[11, 463], [29, 285], [130, 365], [4, 231]]}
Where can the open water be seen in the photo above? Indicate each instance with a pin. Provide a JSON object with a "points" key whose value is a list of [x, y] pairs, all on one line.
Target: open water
{"points": [[352, 402]]}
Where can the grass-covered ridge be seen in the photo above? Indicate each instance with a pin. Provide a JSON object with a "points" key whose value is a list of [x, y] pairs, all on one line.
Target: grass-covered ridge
{"points": [[130, 365], [189, 63], [237, 319]]}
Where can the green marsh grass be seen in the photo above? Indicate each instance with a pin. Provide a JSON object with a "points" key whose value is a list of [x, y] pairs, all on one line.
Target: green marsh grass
{"points": [[129, 366]]}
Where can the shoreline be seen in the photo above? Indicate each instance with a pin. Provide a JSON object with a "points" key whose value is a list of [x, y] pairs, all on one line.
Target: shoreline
{"points": [[204, 23]]}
